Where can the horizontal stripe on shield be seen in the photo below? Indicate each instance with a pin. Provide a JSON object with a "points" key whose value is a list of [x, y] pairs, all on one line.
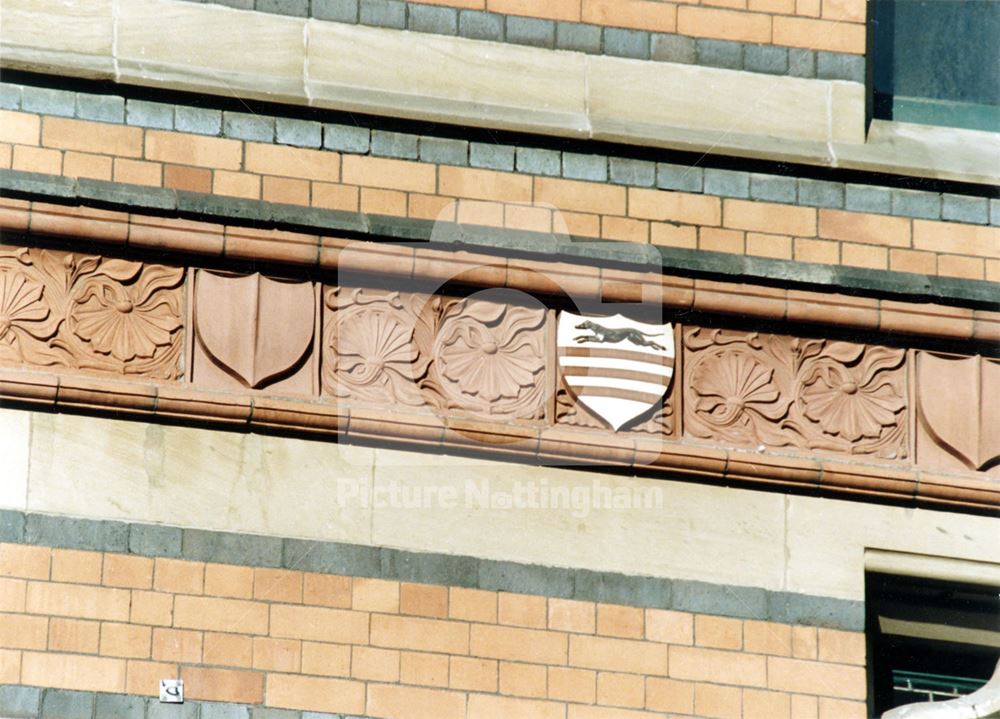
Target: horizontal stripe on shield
{"points": [[651, 357], [646, 398], [615, 374]]}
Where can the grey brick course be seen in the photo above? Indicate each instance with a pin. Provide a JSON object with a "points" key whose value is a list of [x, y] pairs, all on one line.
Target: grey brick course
{"points": [[444, 151], [18, 701], [120, 706], [532, 31], [579, 37], [839, 66], [626, 43], [820, 193], [995, 211], [235, 4], [11, 526], [216, 710], [143, 113], [332, 557], [627, 171], [538, 161], [95, 535], [394, 144], [346, 138], [187, 710], [769, 59], [10, 96], [773, 188], [435, 19], [480, 25], [248, 126], [720, 53], [335, 10], [727, 183], [585, 167], [298, 8], [48, 101], [532, 579], [914, 203], [266, 713], [674, 48], [688, 178], [383, 13], [102, 108], [199, 120], [801, 63], [64, 704], [961, 208], [491, 156], [154, 541], [227, 548], [865, 198], [302, 133]]}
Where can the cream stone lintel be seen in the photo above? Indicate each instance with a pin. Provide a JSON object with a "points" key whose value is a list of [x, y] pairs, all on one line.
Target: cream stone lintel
{"points": [[932, 567], [215, 49]]}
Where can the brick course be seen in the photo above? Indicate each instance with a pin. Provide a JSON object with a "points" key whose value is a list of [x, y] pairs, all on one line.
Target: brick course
{"points": [[376, 655], [394, 187]]}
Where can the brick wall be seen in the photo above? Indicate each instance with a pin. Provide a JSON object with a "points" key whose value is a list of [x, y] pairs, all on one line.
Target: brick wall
{"points": [[108, 622], [410, 188]]}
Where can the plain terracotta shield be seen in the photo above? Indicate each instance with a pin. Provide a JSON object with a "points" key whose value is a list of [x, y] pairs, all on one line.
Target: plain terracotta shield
{"points": [[959, 406], [254, 327]]}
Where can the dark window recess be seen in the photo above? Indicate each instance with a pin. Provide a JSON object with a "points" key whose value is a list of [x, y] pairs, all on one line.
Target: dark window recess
{"points": [[936, 62], [928, 640]]}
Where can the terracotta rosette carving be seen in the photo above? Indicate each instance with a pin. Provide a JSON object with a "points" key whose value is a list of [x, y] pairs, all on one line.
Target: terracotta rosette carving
{"points": [[377, 344], [489, 358], [766, 390], [93, 313]]}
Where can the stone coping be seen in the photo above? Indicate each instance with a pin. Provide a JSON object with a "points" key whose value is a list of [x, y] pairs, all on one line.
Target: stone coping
{"points": [[151, 540], [590, 38], [565, 446], [529, 156], [478, 83], [873, 300], [19, 701]]}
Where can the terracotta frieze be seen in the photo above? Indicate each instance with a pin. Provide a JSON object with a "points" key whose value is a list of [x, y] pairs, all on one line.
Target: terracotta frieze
{"points": [[89, 312], [499, 371], [769, 391]]}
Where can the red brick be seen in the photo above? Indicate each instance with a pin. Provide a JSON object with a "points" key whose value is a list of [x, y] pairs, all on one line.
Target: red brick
{"points": [[20, 560], [37, 159], [19, 128], [292, 162], [74, 635], [525, 645], [474, 605], [522, 610], [769, 217], [424, 600], [572, 685], [75, 600], [235, 650], [717, 702], [617, 621], [191, 179], [711, 665], [636, 14], [179, 576], [326, 659], [621, 690], [389, 174], [429, 635], [400, 702], [618, 655], [125, 640], [523, 680], [223, 685], [551, 9], [82, 164], [819, 34], [224, 580], [280, 655], [582, 196], [484, 185], [570, 615], [328, 590], [823, 679], [473, 674], [669, 695], [724, 24], [277, 585], [319, 624], [375, 595], [423, 669], [128, 572], [97, 137], [380, 665], [184, 149], [485, 706], [152, 608], [664, 625], [220, 615], [73, 671], [718, 632], [177, 645], [20, 631]]}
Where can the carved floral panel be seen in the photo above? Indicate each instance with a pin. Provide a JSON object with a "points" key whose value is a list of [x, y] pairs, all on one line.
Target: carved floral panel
{"points": [[749, 388], [470, 355], [90, 312]]}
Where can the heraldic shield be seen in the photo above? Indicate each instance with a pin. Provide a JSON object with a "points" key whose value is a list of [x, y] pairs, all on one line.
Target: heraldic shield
{"points": [[958, 408], [254, 328], [616, 367]]}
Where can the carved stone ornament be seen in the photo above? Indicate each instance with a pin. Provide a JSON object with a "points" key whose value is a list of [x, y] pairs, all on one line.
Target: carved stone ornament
{"points": [[617, 368], [775, 391], [377, 344], [93, 313], [253, 332], [958, 415], [488, 358]]}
